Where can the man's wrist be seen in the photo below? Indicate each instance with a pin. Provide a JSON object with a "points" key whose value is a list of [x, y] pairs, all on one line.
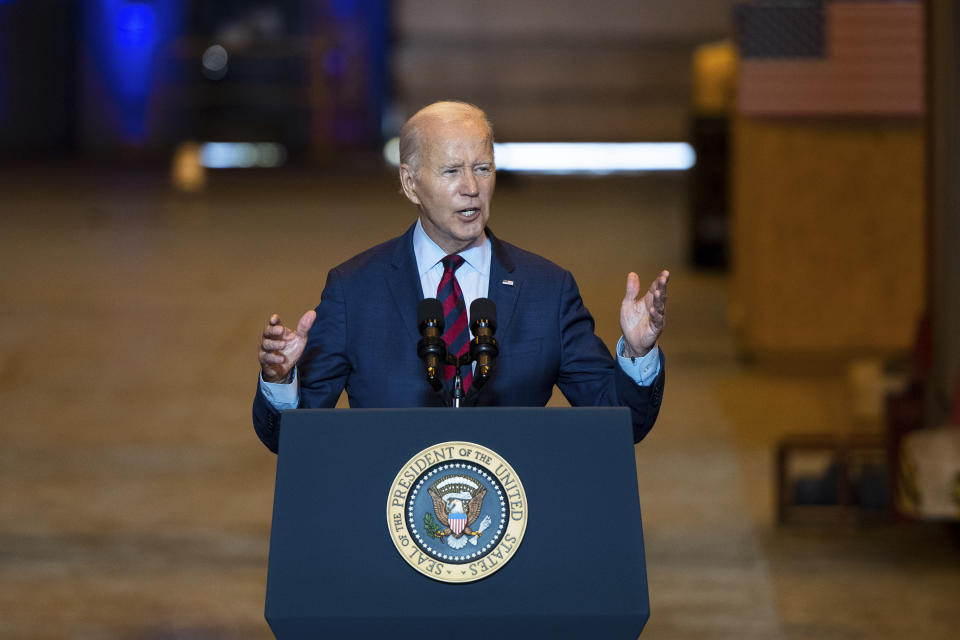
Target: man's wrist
{"points": [[285, 380], [629, 352], [642, 369], [282, 395]]}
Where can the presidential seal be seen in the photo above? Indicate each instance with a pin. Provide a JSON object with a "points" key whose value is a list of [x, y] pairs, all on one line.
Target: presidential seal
{"points": [[457, 512]]}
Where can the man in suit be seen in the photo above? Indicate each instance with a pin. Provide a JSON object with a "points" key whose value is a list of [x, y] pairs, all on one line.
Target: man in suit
{"points": [[362, 336]]}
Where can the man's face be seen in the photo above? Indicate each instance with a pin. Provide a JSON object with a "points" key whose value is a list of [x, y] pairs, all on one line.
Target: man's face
{"points": [[455, 182]]}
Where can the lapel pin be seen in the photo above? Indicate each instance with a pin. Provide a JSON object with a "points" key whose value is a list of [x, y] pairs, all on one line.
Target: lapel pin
{"points": [[509, 283]]}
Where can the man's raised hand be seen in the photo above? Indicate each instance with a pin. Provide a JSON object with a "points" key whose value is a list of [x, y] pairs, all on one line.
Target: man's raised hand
{"points": [[641, 314], [280, 347]]}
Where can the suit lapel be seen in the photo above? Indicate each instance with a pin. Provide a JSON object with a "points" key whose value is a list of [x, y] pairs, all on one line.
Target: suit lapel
{"points": [[403, 282], [504, 288]]}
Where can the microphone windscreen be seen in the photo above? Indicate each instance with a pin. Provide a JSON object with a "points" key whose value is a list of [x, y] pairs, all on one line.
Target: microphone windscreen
{"points": [[483, 308], [430, 309]]}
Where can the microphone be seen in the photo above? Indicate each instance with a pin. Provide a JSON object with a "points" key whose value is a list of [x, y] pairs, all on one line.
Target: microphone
{"points": [[483, 348], [431, 348]]}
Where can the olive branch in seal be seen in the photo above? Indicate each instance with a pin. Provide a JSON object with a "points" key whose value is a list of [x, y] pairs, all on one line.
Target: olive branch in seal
{"points": [[430, 525]]}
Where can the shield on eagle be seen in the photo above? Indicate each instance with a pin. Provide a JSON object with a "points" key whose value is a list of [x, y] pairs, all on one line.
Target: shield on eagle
{"points": [[457, 522]]}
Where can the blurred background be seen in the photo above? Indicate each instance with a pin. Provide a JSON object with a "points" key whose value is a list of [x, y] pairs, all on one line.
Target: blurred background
{"points": [[173, 171]]}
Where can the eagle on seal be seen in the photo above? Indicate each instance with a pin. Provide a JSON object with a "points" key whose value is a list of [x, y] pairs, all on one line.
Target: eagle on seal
{"points": [[462, 505]]}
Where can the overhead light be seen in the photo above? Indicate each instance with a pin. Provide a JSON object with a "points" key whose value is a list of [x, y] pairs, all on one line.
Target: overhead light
{"points": [[593, 157], [242, 155], [581, 157]]}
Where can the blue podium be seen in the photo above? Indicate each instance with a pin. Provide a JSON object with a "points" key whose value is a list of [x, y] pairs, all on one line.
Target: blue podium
{"points": [[343, 566]]}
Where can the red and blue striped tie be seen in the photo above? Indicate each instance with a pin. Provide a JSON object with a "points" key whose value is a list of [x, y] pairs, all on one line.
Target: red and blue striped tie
{"points": [[457, 333]]}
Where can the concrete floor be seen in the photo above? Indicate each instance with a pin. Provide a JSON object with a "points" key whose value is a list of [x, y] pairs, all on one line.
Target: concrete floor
{"points": [[135, 499]]}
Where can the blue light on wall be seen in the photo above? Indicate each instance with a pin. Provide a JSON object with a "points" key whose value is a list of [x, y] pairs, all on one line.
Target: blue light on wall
{"points": [[132, 50], [125, 37], [136, 25]]}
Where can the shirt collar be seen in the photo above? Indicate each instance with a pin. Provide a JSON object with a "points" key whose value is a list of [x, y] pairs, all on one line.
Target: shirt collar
{"points": [[429, 254]]}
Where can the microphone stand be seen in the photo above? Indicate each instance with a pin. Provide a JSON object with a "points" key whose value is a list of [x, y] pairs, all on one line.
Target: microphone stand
{"points": [[458, 393], [457, 389]]}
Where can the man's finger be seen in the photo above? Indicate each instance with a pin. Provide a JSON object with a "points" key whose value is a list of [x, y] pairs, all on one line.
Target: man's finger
{"points": [[633, 287], [271, 331], [273, 345], [659, 288], [274, 327], [657, 309], [268, 357], [661, 280], [306, 321]]}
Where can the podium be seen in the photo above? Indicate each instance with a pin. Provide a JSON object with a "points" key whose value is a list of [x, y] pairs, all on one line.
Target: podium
{"points": [[337, 569]]}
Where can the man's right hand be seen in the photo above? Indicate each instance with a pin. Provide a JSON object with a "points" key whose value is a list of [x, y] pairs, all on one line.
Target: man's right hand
{"points": [[281, 348]]}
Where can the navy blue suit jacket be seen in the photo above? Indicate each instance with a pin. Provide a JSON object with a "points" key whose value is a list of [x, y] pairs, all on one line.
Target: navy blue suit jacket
{"points": [[365, 339]]}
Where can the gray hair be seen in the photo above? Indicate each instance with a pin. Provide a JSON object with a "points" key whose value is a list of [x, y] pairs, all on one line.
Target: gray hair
{"points": [[411, 135]]}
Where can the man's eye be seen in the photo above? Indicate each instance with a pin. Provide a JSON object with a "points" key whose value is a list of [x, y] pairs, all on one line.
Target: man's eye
{"points": [[483, 169], [450, 172]]}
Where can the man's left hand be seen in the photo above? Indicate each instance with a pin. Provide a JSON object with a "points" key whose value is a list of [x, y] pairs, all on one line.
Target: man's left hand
{"points": [[641, 314]]}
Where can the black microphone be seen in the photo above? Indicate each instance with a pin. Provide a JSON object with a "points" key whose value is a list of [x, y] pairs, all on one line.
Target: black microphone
{"points": [[431, 348], [483, 348]]}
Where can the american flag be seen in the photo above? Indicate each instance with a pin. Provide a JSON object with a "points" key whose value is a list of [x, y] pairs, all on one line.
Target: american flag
{"points": [[831, 58]]}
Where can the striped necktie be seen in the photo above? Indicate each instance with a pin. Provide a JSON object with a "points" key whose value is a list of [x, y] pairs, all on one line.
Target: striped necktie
{"points": [[457, 333]]}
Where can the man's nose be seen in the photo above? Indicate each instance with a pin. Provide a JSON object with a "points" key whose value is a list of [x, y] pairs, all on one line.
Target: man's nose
{"points": [[469, 185]]}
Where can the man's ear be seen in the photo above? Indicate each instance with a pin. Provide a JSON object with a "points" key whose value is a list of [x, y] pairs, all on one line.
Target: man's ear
{"points": [[408, 183]]}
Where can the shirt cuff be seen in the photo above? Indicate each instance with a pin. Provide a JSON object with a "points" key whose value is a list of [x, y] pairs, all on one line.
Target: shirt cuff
{"points": [[282, 395], [643, 370]]}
